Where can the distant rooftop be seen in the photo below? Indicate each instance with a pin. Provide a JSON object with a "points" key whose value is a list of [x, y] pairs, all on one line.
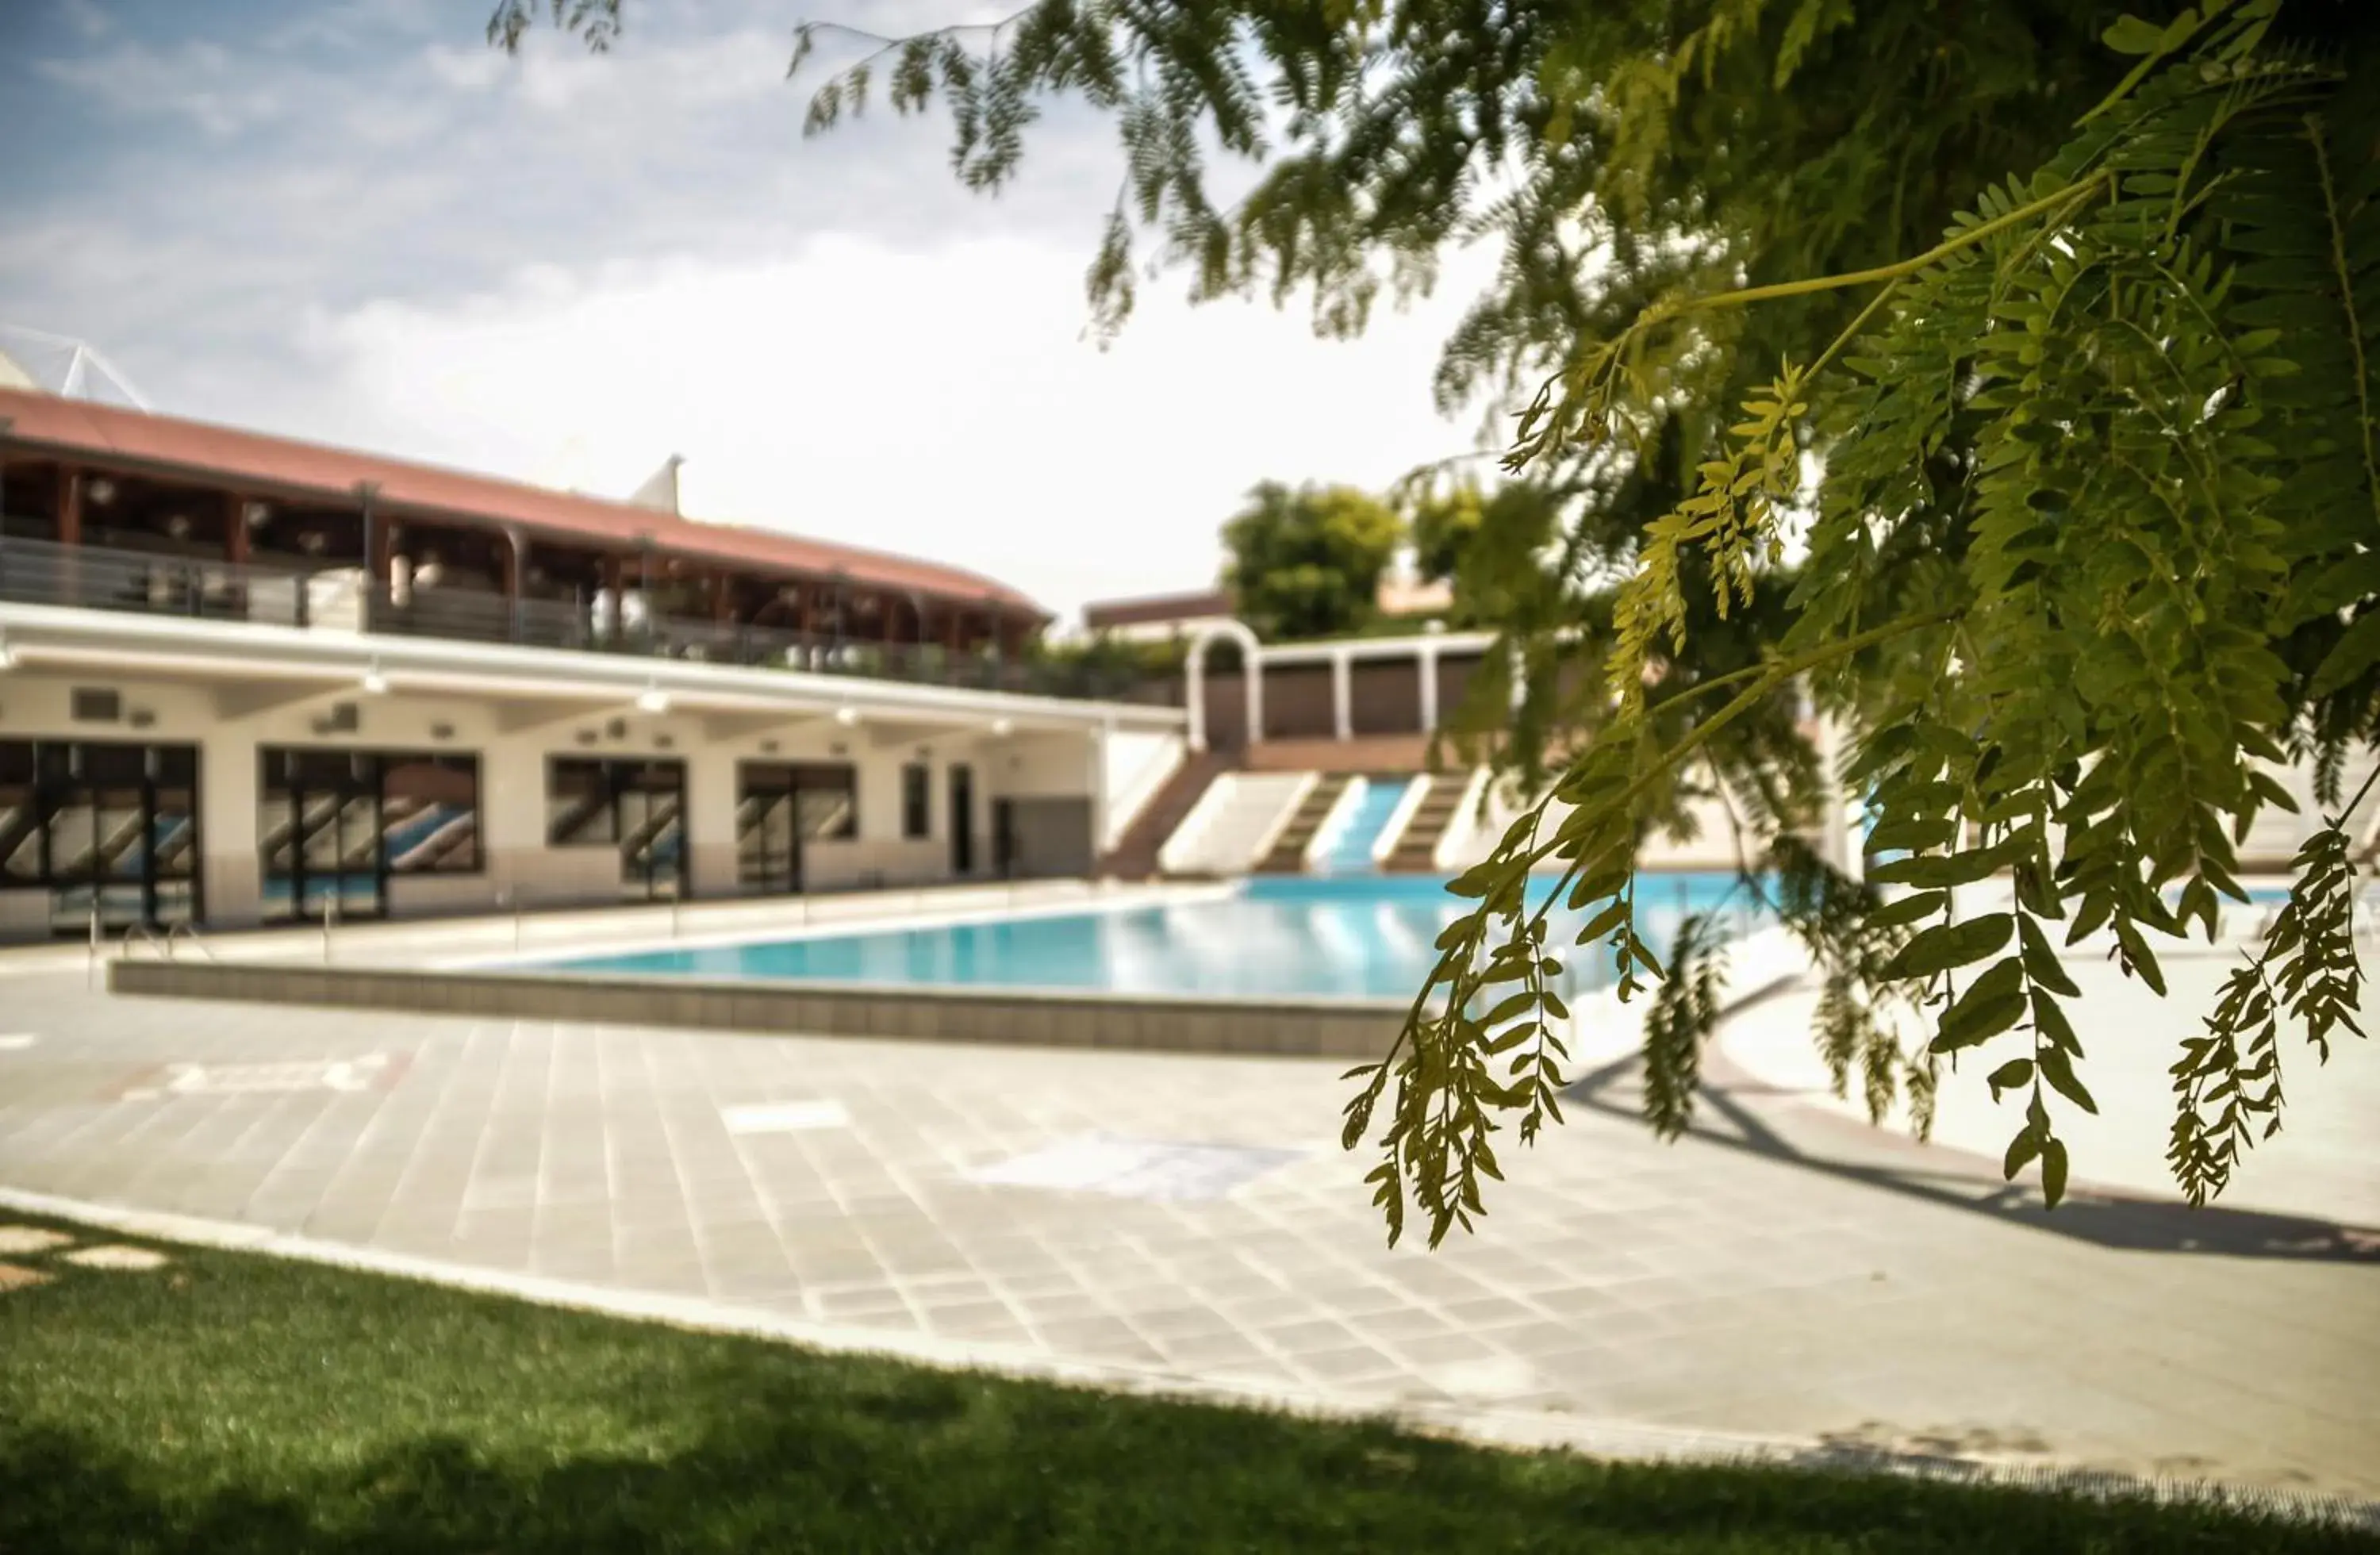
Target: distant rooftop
{"points": [[1155, 610]]}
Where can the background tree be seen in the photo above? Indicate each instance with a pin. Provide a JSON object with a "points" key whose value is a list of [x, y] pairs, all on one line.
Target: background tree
{"points": [[1306, 561], [2057, 326], [1491, 546]]}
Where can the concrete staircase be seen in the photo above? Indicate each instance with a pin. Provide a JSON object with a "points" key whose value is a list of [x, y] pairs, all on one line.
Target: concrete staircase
{"points": [[1238, 819], [1287, 855], [1417, 846], [1134, 857]]}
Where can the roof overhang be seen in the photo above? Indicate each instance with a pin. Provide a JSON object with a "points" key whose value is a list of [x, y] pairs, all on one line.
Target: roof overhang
{"points": [[253, 655]]}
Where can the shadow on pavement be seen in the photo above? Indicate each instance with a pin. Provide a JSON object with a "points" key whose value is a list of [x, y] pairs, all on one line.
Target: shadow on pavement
{"points": [[1961, 1181]]}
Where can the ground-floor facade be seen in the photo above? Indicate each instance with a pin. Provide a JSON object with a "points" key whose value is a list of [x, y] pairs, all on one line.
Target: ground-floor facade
{"points": [[139, 784]]}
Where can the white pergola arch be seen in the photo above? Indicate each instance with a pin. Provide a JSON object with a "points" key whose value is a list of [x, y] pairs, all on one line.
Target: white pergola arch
{"points": [[1251, 667]]}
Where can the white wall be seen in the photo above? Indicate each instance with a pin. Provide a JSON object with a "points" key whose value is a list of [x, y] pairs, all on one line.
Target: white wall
{"points": [[514, 742], [1133, 766]]}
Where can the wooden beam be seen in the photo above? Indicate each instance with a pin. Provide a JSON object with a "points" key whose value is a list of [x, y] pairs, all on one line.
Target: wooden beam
{"points": [[69, 513], [380, 535], [235, 528], [615, 578]]}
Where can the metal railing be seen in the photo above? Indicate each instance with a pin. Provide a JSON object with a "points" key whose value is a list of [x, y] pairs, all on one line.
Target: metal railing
{"points": [[342, 598]]}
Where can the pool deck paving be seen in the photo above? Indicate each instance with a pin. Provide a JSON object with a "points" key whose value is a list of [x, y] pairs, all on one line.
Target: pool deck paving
{"points": [[1781, 1274]]}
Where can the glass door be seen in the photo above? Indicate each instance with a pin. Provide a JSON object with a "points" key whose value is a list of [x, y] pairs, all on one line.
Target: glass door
{"points": [[173, 835], [114, 787], [768, 842], [112, 830], [1004, 837], [962, 821], [652, 799], [318, 826]]}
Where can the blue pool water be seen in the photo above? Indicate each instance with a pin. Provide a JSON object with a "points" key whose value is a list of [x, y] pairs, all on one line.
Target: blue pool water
{"points": [[1289, 937], [1350, 852]]}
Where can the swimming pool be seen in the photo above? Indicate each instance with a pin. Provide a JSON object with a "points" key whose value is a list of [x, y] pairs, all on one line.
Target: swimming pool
{"points": [[1290, 936]]}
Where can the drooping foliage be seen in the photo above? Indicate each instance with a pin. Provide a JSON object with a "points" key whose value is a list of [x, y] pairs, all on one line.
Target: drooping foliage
{"points": [[2048, 336]]}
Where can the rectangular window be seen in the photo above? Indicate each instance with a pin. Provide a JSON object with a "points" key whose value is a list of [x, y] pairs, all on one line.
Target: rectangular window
{"points": [[635, 806], [827, 803], [916, 801], [101, 826], [579, 811], [430, 814], [780, 806], [333, 826], [23, 835]]}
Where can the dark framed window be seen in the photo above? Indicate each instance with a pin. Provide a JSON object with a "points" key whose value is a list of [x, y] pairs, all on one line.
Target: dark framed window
{"points": [[579, 806], [916, 801], [430, 814], [106, 828], [633, 805], [334, 826], [782, 806]]}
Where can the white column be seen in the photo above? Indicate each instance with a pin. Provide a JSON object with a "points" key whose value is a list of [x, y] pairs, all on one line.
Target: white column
{"points": [[1195, 691], [227, 803], [1429, 688], [708, 824], [1342, 721], [1097, 751], [1252, 660]]}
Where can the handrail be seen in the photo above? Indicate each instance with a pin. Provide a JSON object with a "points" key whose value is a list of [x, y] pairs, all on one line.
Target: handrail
{"points": [[330, 595], [185, 925]]}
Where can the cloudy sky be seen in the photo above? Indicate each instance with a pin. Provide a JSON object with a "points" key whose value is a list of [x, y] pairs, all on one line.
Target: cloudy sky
{"points": [[351, 220]]}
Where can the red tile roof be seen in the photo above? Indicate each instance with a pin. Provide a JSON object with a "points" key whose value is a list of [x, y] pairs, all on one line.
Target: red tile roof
{"points": [[251, 460]]}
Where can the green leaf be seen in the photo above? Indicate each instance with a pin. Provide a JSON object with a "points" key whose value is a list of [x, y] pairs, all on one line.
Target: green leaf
{"points": [[2051, 1022], [1992, 1004], [1905, 910], [2008, 1077], [1946, 945], [2058, 1070], [2041, 963], [1929, 870], [2020, 1150], [2053, 1170], [1604, 922], [1913, 833], [2138, 956], [2355, 652], [2131, 34]]}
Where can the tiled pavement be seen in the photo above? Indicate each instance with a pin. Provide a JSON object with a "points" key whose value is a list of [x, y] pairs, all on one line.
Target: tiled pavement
{"points": [[1781, 1274]]}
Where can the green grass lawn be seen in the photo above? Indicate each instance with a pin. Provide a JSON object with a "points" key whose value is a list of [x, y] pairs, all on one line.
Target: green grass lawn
{"points": [[240, 1402]]}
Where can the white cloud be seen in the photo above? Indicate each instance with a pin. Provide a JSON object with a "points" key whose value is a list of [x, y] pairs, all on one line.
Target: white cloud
{"points": [[465, 70], [88, 17], [198, 81], [938, 404], [441, 253], [557, 75]]}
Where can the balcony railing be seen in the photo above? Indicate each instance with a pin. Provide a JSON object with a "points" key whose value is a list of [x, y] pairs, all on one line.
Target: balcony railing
{"points": [[343, 599]]}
